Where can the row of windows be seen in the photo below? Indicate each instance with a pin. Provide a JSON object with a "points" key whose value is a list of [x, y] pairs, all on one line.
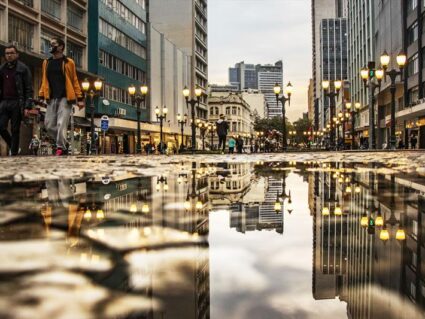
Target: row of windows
{"points": [[126, 14], [122, 39], [116, 64], [116, 94]]}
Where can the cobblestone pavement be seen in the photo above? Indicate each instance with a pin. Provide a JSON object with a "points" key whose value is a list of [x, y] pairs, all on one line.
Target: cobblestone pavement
{"points": [[43, 168]]}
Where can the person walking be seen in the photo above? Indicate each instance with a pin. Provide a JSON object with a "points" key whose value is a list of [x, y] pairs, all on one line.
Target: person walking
{"points": [[16, 97], [232, 144], [34, 145], [413, 141], [61, 89], [222, 130]]}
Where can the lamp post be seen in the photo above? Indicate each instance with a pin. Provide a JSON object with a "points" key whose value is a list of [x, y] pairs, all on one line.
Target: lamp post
{"points": [[161, 117], [393, 73], [182, 122], [283, 99], [353, 110], [292, 136], [193, 103], [332, 92], [368, 74], [92, 90], [137, 99], [203, 127], [212, 128]]}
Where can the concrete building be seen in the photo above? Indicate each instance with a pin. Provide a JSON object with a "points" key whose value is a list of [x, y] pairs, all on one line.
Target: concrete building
{"points": [[244, 76], [268, 76], [256, 101], [184, 23], [361, 48], [30, 25], [333, 60], [169, 73], [237, 112], [223, 88], [310, 101], [118, 32]]}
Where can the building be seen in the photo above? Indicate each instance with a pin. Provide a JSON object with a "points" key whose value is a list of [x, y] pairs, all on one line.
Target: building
{"points": [[256, 101], [333, 59], [184, 23], [361, 48], [30, 25], [310, 101], [268, 76], [237, 112], [169, 73], [321, 9], [244, 76], [118, 32], [223, 88]]}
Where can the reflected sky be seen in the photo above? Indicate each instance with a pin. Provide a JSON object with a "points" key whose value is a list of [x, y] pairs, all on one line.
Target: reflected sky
{"points": [[224, 240]]}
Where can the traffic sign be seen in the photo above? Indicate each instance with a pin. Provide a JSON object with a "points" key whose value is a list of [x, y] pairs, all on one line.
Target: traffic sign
{"points": [[104, 123]]}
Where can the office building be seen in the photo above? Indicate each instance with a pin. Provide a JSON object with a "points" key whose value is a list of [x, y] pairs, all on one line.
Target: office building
{"points": [[244, 76], [268, 76]]}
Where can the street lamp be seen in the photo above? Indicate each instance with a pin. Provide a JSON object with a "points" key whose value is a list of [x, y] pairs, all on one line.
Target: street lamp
{"points": [[283, 99], [393, 73], [182, 122], [161, 117], [212, 128], [193, 103], [332, 91], [353, 110], [137, 99], [368, 74], [92, 90], [203, 127]]}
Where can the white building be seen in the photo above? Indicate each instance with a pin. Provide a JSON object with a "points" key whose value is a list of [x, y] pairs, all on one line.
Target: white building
{"points": [[268, 76], [256, 101]]}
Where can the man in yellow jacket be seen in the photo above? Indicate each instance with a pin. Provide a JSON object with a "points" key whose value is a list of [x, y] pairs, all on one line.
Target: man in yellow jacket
{"points": [[60, 89]]}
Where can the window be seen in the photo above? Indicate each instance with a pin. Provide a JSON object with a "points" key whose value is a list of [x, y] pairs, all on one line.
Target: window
{"points": [[45, 42], [116, 94], [75, 18], [75, 52], [21, 32], [116, 64], [228, 110], [126, 14], [412, 34], [411, 5], [413, 65], [413, 95], [52, 8]]}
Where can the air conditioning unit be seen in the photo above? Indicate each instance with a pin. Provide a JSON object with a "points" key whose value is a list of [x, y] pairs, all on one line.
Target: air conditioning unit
{"points": [[122, 112]]}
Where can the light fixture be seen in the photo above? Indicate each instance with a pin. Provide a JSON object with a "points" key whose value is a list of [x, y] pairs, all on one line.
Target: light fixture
{"points": [[401, 60], [277, 89], [325, 84], [384, 235], [338, 211], [145, 208], [87, 214], [364, 221], [199, 205], [385, 60], [277, 205], [400, 235], [133, 208], [325, 211], [100, 214]]}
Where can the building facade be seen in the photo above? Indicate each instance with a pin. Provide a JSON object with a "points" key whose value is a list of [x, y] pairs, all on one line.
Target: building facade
{"points": [[268, 76], [256, 101], [185, 23], [244, 76], [118, 32], [30, 25]]}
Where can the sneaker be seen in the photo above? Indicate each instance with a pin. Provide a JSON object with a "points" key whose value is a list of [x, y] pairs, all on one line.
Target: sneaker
{"points": [[59, 152]]}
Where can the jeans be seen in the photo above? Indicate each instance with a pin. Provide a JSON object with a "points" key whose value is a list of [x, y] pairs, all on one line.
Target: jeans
{"points": [[222, 141], [57, 119], [10, 111]]}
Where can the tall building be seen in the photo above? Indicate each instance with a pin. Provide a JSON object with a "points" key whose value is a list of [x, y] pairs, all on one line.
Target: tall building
{"points": [[244, 76], [361, 48], [117, 32], [268, 76], [184, 23], [310, 101], [333, 59], [320, 9], [30, 25]]}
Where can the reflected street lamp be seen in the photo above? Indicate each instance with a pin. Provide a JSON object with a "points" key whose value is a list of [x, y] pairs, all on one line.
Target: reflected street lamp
{"points": [[92, 90], [137, 99]]}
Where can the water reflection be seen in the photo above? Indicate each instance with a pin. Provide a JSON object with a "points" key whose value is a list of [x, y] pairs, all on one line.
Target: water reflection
{"points": [[142, 244]]}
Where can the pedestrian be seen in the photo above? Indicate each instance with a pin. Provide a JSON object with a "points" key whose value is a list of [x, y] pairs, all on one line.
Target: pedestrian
{"points": [[222, 129], [413, 141], [232, 144], [16, 97], [256, 147], [34, 145], [239, 145], [60, 89]]}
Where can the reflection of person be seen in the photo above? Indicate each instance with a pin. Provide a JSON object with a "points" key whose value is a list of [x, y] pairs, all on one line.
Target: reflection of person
{"points": [[16, 94], [60, 87], [222, 129]]}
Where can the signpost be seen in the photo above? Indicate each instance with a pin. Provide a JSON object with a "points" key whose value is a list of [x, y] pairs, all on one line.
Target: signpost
{"points": [[104, 125]]}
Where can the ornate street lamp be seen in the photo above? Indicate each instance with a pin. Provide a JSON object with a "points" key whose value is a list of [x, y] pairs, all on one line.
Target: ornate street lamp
{"points": [[137, 99], [193, 103], [283, 99], [182, 122], [203, 127], [161, 117], [92, 90], [331, 90], [212, 129], [393, 73]]}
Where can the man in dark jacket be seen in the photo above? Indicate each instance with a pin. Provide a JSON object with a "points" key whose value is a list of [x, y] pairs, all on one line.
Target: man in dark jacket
{"points": [[16, 95], [222, 129]]}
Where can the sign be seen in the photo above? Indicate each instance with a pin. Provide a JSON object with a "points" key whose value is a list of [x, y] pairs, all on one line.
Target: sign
{"points": [[106, 180], [104, 123]]}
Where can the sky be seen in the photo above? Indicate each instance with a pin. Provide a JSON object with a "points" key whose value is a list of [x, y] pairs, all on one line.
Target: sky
{"points": [[262, 32]]}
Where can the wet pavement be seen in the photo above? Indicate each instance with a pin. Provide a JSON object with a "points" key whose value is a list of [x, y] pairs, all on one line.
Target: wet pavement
{"points": [[259, 236]]}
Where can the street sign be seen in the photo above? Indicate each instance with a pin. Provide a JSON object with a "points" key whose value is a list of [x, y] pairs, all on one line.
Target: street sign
{"points": [[104, 123], [106, 180]]}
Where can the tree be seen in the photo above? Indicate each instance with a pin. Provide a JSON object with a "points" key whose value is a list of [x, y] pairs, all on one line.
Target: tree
{"points": [[275, 123], [300, 126]]}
